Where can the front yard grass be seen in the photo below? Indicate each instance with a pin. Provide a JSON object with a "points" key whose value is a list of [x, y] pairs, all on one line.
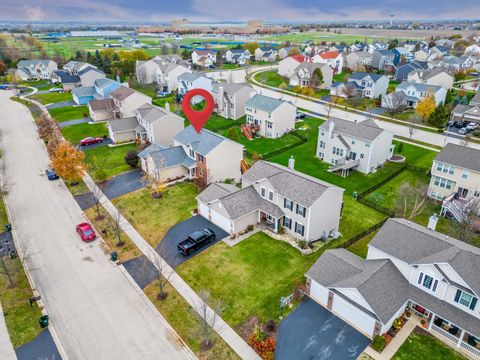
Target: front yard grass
{"points": [[153, 217], [75, 133], [110, 159], [179, 314], [69, 113], [360, 248], [416, 155], [422, 345], [270, 78], [162, 100], [248, 278], [125, 252], [50, 98]]}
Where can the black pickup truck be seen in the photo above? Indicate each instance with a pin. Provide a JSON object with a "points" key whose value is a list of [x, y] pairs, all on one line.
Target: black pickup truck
{"points": [[195, 241]]}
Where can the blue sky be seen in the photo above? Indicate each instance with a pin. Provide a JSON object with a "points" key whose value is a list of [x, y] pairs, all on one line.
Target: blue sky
{"points": [[205, 10]]}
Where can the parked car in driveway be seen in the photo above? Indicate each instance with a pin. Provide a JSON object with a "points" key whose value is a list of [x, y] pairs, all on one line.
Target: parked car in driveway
{"points": [[86, 232], [90, 141], [52, 175], [300, 115], [195, 241], [56, 90], [464, 131]]}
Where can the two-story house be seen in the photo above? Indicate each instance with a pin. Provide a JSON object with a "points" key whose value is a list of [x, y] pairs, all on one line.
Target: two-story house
{"points": [[334, 59], [402, 70], [362, 84], [100, 89], [383, 60], [408, 267], [376, 46], [456, 180], [416, 92], [230, 99], [237, 56], [362, 146], [89, 75], [74, 67], [287, 66], [127, 101], [146, 71], [279, 197], [194, 80], [35, 69], [302, 75], [358, 59], [438, 77], [269, 117], [470, 112], [157, 125], [193, 154], [266, 54], [167, 76], [204, 58]]}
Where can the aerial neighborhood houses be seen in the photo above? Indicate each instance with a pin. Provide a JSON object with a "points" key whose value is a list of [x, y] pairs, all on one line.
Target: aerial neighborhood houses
{"points": [[269, 117], [194, 80], [237, 56], [347, 145], [100, 89], [167, 76], [456, 181], [266, 54], [304, 71], [384, 60], [35, 69], [277, 197], [334, 59], [146, 71], [467, 113], [438, 77], [204, 58], [358, 59], [410, 267], [413, 93], [362, 84]]}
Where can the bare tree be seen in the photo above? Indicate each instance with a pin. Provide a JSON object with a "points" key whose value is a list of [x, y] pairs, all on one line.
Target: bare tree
{"points": [[467, 229], [8, 268], [411, 200], [348, 90], [413, 121], [97, 194], [331, 105], [117, 228], [207, 311], [162, 280]]}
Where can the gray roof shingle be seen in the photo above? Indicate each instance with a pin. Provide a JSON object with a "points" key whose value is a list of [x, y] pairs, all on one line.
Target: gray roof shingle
{"points": [[264, 103], [216, 191], [461, 156], [291, 184], [366, 130], [202, 142], [172, 156], [123, 124]]}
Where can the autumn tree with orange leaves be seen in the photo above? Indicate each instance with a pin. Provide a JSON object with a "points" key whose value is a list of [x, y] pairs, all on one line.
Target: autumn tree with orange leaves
{"points": [[67, 161]]}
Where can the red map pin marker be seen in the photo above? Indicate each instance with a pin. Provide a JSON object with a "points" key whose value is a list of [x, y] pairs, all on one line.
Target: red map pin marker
{"points": [[198, 119]]}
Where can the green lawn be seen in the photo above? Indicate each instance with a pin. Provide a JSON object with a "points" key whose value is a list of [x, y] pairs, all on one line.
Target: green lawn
{"points": [[69, 113], [357, 217], [360, 247], [52, 97], [250, 277], [342, 77], [422, 345], [262, 145], [75, 133], [270, 78], [216, 121], [153, 217], [3, 215], [111, 159], [162, 100], [148, 89], [416, 155]]}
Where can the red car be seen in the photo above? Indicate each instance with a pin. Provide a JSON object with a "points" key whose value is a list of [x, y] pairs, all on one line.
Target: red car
{"points": [[90, 141], [86, 232]]}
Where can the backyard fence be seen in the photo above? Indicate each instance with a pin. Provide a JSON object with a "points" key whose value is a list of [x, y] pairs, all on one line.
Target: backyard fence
{"points": [[381, 183], [301, 140], [364, 233]]}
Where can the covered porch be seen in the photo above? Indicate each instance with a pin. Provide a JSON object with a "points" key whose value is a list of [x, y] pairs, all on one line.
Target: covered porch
{"points": [[272, 222]]}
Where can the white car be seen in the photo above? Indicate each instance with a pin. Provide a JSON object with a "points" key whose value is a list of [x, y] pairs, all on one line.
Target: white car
{"points": [[56, 90]]}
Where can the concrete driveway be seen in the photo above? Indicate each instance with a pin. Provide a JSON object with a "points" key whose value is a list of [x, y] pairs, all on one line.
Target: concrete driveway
{"points": [[105, 142], [123, 184], [311, 332], [60, 104], [168, 246]]}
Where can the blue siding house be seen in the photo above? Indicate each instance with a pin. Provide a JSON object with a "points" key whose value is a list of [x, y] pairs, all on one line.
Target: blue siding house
{"points": [[101, 90]]}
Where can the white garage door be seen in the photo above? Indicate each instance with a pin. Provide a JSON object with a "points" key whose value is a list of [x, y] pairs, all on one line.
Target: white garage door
{"points": [[203, 210], [319, 293], [221, 221], [353, 315]]}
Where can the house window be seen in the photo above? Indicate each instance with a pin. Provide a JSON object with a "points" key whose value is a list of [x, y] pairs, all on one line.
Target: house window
{"points": [[443, 183], [337, 151], [465, 299], [367, 144], [447, 169], [262, 191], [427, 282], [299, 228], [465, 174], [477, 193], [270, 195], [200, 157], [353, 142], [322, 144], [287, 222], [192, 154], [287, 204], [361, 156], [321, 155], [269, 124], [301, 210]]}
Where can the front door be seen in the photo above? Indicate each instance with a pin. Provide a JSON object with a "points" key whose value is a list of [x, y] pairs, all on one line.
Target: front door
{"points": [[353, 155], [462, 192]]}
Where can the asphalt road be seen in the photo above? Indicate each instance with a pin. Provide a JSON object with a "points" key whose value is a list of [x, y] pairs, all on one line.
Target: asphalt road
{"points": [[95, 309]]}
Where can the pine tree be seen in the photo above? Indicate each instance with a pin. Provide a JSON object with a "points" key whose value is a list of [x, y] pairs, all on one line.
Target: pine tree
{"points": [[439, 116], [107, 64], [79, 56], [116, 57]]}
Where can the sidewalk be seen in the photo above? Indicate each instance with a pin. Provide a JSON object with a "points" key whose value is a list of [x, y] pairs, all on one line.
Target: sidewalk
{"points": [[6, 348], [219, 325]]}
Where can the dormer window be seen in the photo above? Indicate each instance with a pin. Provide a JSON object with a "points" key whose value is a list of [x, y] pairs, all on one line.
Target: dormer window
{"points": [[466, 299], [427, 282]]}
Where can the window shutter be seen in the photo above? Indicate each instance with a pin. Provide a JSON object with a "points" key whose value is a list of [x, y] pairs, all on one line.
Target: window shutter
{"points": [[473, 303], [457, 295], [420, 278], [285, 203], [435, 286]]}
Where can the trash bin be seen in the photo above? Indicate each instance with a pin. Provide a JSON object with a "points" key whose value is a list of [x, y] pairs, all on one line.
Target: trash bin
{"points": [[43, 321], [8, 227], [114, 256]]}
